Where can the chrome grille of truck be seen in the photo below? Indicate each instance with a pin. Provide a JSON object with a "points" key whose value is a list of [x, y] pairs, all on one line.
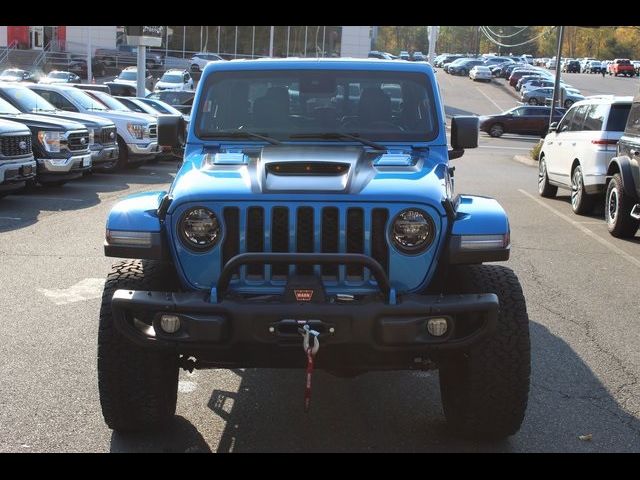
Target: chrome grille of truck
{"points": [[306, 229], [105, 136], [75, 141], [153, 130], [10, 145]]}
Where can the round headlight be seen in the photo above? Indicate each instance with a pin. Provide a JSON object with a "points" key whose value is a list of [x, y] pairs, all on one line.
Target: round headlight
{"points": [[199, 228], [412, 231]]}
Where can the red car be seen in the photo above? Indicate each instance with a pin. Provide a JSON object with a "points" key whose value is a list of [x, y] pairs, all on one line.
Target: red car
{"points": [[517, 74], [622, 66]]}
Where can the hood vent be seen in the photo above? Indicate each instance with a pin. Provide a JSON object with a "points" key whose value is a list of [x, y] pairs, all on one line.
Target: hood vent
{"points": [[307, 168]]}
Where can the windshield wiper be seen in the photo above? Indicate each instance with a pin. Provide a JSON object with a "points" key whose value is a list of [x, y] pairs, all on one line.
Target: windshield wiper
{"points": [[338, 135], [241, 133]]}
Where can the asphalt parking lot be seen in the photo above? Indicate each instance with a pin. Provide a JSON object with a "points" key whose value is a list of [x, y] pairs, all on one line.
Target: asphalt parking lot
{"points": [[577, 280]]}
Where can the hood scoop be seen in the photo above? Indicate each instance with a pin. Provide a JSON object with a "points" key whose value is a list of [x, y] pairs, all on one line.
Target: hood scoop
{"points": [[308, 168]]}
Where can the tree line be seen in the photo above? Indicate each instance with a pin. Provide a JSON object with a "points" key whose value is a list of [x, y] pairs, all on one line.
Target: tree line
{"points": [[605, 42]]}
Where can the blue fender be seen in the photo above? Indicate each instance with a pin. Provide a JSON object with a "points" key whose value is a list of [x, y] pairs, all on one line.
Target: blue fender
{"points": [[477, 215], [136, 213]]}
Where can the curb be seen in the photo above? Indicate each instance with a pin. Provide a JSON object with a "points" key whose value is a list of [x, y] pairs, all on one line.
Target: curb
{"points": [[527, 160]]}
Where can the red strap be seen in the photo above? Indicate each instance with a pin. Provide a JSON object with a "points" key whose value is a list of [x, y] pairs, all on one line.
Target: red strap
{"points": [[307, 389]]}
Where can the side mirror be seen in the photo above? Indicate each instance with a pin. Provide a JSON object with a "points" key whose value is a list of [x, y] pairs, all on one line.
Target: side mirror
{"points": [[171, 131], [464, 132], [553, 126]]}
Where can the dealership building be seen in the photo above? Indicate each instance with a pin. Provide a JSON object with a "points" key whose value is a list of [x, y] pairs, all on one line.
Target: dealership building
{"points": [[181, 41]]}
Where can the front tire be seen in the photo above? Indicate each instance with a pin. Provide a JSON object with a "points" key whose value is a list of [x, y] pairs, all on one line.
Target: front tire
{"points": [[485, 390], [138, 387], [496, 130], [617, 210]]}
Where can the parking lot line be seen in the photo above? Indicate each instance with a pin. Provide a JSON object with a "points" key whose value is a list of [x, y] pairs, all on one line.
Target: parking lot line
{"points": [[504, 148], [584, 230], [500, 109]]}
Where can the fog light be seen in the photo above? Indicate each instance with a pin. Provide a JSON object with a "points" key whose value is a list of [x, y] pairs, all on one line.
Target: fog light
{"points": [[170, 323], [437, 326]]}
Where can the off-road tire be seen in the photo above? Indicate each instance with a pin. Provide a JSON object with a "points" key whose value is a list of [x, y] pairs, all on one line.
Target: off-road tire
{"points": [[138, 387], [485, 389], [620, 223]]}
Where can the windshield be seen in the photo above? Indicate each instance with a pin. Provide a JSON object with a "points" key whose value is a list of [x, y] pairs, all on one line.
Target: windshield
{"points": [[377, 105], [6, 107], [60, 75], [161, 107], [171, 78], [109, 101], [27, 100], [11, 73], [84, 100], [129, 75]]}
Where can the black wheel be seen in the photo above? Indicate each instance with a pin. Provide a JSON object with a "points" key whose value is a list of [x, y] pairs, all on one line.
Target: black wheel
{"points": [[617, 210], [533, 101], [123, 157], [496, 130], [545, 189], [581, 202], [485, 389], [138, 387]]}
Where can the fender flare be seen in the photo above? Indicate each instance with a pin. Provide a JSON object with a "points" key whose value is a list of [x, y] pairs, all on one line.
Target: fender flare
{"points": [[623, 164]]}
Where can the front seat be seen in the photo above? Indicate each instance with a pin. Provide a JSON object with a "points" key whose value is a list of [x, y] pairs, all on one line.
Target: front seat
{"points": [[272, 109], [374, 106]]}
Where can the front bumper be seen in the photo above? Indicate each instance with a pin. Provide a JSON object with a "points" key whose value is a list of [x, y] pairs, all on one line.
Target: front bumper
{"points": [[143, 151], [102, 154], [13, 174], [74, 163]]}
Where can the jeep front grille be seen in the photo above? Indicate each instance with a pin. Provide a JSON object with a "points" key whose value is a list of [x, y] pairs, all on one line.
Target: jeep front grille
{"points": [[306, 229]]}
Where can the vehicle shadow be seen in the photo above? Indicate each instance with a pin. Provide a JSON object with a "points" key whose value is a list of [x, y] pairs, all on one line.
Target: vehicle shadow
{"points": [[180, 436], [401, 411], [23, 208], [452, 111]]}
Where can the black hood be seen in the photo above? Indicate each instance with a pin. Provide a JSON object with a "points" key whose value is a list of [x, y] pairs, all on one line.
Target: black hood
{"points": [[40, 121]]}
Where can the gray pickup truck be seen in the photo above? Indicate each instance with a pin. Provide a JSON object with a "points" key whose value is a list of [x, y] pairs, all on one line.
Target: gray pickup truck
{"points": [[16, 157], [126, 55]]}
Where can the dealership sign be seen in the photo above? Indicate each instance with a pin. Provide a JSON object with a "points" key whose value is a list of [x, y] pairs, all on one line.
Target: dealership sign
{"points": [[145, 36]]}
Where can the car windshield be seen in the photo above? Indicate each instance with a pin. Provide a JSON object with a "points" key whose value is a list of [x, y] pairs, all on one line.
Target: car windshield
{"points": [[58, 75], [6, 107], [378, 105], [109, 101], [128, 76], [171, 78], [28, 100], [85, 101]]}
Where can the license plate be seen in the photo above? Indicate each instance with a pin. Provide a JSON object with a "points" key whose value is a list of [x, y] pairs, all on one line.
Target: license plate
{"points": [[86, 162], [26, 170]]}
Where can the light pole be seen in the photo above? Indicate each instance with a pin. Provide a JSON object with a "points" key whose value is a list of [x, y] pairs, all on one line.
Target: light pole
{"points": [[556, 87], [89, 69]]}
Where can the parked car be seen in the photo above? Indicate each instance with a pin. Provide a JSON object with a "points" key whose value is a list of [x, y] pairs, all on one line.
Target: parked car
{"points": [[572, 66], [539, 96], [526, 78], [636, 66], [404, 55], [541, 82], [17, 165], [517, 74], [137, 135], [124, 55], [180, 100], [576, 152], [129, 76], [525, 120], [418, 57], [58, 76], [60, 147], [480, 72], [200, 60], [93, 86], [122, 89], [17, 75], [102, 132], [621, 66], [622, 198], [551, 64], [592, 66], [322, 214], [78, 65], [463, 67], [455, 62], [175, 80]]}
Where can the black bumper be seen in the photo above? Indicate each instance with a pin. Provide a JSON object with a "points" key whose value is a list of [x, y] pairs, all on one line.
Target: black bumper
{"points": [[367, 334]]}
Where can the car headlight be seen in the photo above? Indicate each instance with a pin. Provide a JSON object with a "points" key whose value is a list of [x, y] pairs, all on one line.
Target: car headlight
{"points": [[199, 228], [136, 130], [412, 231], [92, 135], [50, 140]]}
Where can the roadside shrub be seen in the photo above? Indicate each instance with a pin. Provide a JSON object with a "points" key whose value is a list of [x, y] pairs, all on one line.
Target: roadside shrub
{"points": [[535, 151]]}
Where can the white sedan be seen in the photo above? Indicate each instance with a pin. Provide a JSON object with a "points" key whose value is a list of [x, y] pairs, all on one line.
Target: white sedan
{"points": [[480, 72]]}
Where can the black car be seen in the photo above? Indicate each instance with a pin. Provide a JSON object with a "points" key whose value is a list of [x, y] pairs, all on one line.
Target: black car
{"points": [[60, 147], [572, 66], [17, 165], [121, 89], [104, 147], [78, 65], [525, 120], [180, 100]]}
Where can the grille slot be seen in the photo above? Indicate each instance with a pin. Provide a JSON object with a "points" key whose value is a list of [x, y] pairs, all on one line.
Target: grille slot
{"points": [[255, 238], [231, 245], [379, 247], [280, 237], [329, 242], [355, 240], [10, 145], [304, 237]]}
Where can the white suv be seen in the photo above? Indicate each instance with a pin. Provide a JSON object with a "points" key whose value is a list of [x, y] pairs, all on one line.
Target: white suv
{"points": [[200, 60], [174, 80], [576, 152]]}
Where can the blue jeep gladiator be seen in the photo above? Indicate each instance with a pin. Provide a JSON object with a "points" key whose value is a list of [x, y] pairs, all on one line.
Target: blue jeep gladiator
{"points": [[315, 208]]}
